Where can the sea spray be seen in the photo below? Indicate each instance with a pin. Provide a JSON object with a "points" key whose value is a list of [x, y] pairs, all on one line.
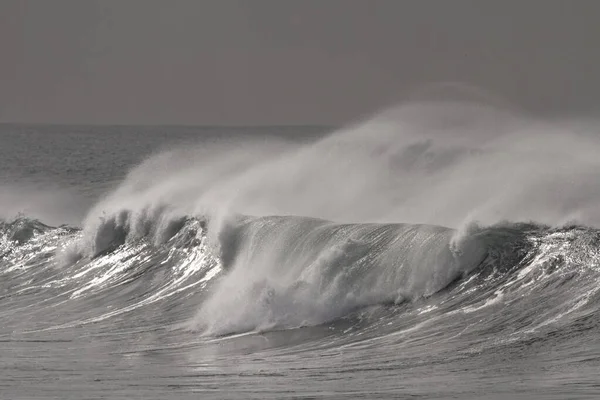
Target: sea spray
{"points": [[441, 163], [294, 225]]}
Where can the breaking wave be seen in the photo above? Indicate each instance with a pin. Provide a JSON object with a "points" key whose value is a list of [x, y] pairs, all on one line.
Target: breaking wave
{"points": [[269, 273], [439, 208]]}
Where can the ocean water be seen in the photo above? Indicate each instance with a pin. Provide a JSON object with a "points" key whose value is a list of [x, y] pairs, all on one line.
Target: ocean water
{"points": [[437, 250]]}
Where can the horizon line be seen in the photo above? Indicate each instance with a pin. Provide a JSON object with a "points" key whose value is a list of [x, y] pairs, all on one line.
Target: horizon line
{"points": [[182, 125]]}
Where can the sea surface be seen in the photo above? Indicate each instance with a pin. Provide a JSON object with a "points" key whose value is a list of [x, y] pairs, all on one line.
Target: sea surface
{"points": [[440, 252]]}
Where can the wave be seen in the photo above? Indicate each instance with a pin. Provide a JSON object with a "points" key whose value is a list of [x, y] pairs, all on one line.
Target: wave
{"points": [[21, 229], [405, 212], [294, 271], [284, 272], [287, 272]]}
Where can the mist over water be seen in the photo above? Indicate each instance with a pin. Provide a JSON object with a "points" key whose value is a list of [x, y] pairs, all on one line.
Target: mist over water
{"points": [[439, 162], [55, 206]]}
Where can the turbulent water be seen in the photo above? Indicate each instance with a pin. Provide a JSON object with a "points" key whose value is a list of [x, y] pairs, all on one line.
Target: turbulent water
{"points": [[438, 250]]}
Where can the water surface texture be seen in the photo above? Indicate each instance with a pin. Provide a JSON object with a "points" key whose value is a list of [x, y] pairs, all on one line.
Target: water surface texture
{"points": [[439, 250]]}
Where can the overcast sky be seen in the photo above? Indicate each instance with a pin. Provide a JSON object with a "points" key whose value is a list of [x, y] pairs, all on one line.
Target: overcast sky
{"points": [[286, 61]]}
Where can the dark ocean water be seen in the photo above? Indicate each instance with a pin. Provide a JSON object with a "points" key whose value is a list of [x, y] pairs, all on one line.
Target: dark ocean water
{"points": [[172, 262]]}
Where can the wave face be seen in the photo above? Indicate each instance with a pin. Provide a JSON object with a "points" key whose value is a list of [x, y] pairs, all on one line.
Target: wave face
{"points": [[445, 240], [291, 271]]}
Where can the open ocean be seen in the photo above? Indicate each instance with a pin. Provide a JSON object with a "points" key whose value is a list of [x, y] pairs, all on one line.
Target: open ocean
{"points": [[435, 251]]}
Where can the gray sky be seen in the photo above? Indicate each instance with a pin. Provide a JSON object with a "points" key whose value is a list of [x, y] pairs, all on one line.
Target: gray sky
{"points": [[286, 62]]}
